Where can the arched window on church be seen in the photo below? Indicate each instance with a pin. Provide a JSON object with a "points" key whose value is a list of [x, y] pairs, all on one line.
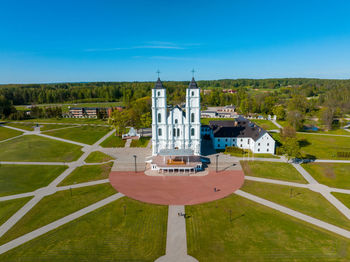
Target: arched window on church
{"points": [[159, 132], [175, 121], [158, 93], [159, 117], [192, 93], [192, 117], [192, 131], [178, 132], [174, 132]]}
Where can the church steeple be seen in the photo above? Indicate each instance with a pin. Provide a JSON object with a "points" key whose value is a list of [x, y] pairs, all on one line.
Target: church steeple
{"points": [[193, 84], [159, 84]]}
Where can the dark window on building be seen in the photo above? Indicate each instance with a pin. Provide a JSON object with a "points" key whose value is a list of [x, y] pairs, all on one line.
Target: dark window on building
{"points": [[241, 145], [192, 93], [225, 145], [218, 139], [178, 132], [174, 132], [226, 139], [158, 93], [248, 140], [175, 121], [159, 117], [160, 132], [241, 139], [192, 117], [258, 144], [258, 149], [268, 144], [267, 150], [192, 131]]}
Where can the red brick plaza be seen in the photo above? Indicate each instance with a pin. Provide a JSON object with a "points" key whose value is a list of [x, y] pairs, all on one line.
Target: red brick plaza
{"points": [[177, 190]]}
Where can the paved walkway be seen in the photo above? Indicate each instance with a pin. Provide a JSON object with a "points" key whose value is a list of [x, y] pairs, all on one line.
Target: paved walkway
{"points": [[296, 214], [176, 242], [276, 124], [63, 140], [40, 231]]}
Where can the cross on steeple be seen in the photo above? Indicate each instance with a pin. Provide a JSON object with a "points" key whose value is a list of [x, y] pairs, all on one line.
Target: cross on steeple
{"points": [[158, 72], [193, 72]]}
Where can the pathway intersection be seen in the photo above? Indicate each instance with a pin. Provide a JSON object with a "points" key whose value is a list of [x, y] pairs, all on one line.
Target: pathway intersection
{"points": [[176, 236]]}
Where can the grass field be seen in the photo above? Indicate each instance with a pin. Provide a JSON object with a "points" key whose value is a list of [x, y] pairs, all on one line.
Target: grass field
{"points": [[69, 121], [205, 121], [15, 179], [345, 198], [6, 133], [330, 174], [98, 157], [9, 207], [323, 147], [103, 235], [113, 141], [87, 173], [274, 170], [35, 148], [265, 124], [23, 125], [56, 206], [300, 199], [84, 134], [330, 132], [142, 142], [257, 233], [53, 126]]}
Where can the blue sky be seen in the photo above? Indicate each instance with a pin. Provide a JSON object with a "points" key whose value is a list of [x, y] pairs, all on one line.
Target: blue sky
{"points": [[78, 41]]}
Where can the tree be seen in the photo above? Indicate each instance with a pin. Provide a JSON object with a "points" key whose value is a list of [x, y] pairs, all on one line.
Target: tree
{"points": [[119, 120], [291, 148], [327, 117], [288, 132], [296, 119], [146, 121], [279, 112]]}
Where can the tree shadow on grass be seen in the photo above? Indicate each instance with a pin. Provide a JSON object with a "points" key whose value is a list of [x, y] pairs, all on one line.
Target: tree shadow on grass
{"points": [[303, 143]]}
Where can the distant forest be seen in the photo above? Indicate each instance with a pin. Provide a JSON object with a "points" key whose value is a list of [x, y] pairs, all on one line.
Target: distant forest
{"points": [[252, 95]]}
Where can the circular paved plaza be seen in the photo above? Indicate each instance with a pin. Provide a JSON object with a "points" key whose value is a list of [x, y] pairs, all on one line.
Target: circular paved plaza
{"points": [[177, 190]]}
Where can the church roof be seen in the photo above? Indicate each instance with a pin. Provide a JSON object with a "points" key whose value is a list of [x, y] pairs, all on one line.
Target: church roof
{"points": [[193, 84], [159, 84]]}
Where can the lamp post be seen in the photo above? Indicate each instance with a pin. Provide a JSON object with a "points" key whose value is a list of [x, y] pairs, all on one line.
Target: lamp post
{"points": [[217, 162], [135, 162]]}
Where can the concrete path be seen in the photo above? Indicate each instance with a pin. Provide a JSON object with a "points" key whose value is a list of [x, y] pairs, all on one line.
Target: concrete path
{"points": [[40, 231], [91, 183], [11, 138], [296, 214], [304, 173], [128, 142], [28, 194], [276, 124], [17, 129], [275, 181], [63, 140], [176, 242]]}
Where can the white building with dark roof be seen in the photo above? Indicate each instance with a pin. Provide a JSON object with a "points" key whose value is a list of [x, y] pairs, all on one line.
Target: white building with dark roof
{"points": [[241, 133]]}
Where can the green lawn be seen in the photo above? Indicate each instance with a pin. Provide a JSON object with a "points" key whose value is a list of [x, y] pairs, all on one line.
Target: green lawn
{"points": [[330, 174], [84, 134], [87, 173], [345, 198], [36, 148], [6, 133], [205, 121], [98, 157], [331, 132], [113, 141], [15, 179], [103, 235], [257, 233], [265, 124], [300, 199], [274, 170], [9, 207], [53, 126], [323, 147], [22, 125], [69, 120], [56, 206], [142, 142]]}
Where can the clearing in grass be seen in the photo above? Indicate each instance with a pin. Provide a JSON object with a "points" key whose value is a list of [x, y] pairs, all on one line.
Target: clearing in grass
{"points": [[106, 234], [273, 170], [113, 141], [300, 199], [235, 227], [330, 174], [84, 134], [41, 149], [9, 207], [6, 133], [56, 206], [98, 157], [87, 173], [16, 179]]}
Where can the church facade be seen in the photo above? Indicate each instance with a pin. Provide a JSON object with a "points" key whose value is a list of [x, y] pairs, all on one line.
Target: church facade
{"points": [[175, 129]]}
